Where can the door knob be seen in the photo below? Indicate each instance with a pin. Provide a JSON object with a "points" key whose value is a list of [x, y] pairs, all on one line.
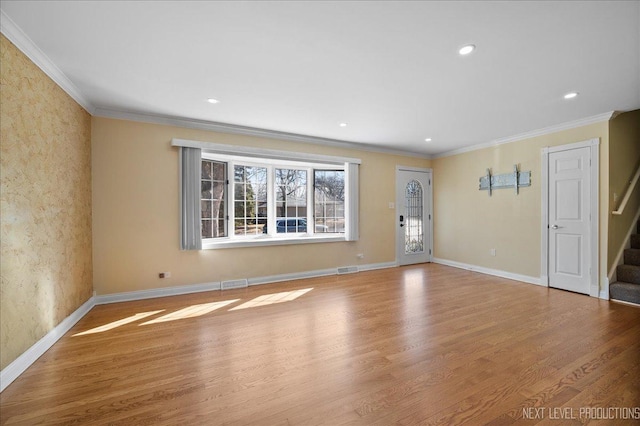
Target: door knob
{"points": [[555, 227]]}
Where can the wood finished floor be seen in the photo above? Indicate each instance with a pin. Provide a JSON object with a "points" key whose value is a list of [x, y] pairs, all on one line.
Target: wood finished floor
{"points": [[427, 344]]}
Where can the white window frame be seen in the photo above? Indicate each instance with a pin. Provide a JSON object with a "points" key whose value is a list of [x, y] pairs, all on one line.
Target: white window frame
{"points": [[272, 159]]}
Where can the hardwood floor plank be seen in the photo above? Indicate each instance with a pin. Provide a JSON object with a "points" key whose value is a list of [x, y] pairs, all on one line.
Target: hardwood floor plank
{"points": [[424, 344]]}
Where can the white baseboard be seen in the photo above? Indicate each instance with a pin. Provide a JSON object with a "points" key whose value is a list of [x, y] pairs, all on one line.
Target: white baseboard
{"points": [[374, 266], [316, 273], [24, 361], [489, 271], [156, 292], [292, 276]]}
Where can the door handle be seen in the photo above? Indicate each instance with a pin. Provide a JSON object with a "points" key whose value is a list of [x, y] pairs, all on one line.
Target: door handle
{"points": [[556, 227], [401, 221]]}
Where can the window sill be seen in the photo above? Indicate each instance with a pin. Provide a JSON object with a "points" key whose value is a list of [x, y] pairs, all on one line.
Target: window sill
{"points": [[271, 241]]}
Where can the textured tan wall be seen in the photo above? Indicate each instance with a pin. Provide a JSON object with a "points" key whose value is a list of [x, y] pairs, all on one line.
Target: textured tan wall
{"points": [[468, 223], [135, 212], [45, 204], [624, 158]]}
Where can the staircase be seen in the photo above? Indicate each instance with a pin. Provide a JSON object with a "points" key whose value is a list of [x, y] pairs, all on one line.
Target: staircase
{"points": [[627, 288]]}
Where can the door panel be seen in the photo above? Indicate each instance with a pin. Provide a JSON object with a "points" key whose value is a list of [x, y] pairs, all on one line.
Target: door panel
{"points": [[413, 216], [569, 221]]}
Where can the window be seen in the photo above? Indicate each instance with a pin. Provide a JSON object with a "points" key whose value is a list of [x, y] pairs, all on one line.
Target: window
{"points": [[250, 200], [329, 200], [291, 200], [212, 207], [265, 197]]}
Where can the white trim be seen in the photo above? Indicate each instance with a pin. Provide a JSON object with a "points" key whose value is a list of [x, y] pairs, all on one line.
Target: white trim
{"points": [[624, 302], [317, 273], [544, 218], [190, 123], [292, 276], [625, 245], [576, 145], [15, 34], [375, 266], [604, 293], [413, 169], [261, 241], [24, 361], [534, 133], [594, 236], [156, 292], [250, 151], [431, 249], [488, 271], [595, 217]]}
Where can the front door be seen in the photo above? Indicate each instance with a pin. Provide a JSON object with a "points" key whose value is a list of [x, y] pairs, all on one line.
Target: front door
{"points": [[413, 216], [569, 219]]}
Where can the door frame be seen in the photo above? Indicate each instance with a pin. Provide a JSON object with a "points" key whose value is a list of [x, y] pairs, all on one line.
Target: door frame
{"points": [[429, 210], [594, 237]]}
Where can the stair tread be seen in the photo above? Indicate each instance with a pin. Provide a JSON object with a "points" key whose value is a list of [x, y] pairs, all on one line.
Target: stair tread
{"points": [[625, 284], [631, 256], [629, 273], [626, 292], [629, 267]]}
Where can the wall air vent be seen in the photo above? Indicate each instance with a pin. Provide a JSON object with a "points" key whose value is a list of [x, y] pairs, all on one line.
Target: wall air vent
{"points": [[242, 283], [347, 270]]}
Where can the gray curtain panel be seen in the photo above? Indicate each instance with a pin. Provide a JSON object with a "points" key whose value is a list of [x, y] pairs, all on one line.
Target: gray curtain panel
{"points": [[353, 196], [190, 171]]}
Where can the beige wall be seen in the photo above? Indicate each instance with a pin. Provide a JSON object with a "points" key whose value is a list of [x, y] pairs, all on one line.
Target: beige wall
{"points": [[624, 159], [135, 212], [45, 204], [468, 223]]}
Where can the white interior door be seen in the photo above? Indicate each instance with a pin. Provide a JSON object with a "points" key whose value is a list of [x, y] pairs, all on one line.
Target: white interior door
{"points": [[569, 219], [413, 216]]}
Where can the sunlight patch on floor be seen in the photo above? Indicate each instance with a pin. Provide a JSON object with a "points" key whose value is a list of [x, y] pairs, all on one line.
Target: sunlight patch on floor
{"points": [[119, 323], [270, 299], [191, 312]]}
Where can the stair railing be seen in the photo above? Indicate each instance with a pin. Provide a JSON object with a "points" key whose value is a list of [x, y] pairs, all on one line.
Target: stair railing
{"points": [[625, 200]]}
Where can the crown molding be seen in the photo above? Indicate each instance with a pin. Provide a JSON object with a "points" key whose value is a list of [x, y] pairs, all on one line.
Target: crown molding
{"points": [[534, 133], [248, 131], [15, 34]]}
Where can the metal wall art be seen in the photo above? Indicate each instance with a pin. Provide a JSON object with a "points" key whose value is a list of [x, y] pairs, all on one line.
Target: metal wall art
{"points": [[514, 180]]}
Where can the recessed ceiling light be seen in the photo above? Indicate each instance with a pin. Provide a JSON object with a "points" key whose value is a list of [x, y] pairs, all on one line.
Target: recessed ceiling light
{"points": [[571, 95], [213, 101], [343, 124], [427, 140], [465, 50]]}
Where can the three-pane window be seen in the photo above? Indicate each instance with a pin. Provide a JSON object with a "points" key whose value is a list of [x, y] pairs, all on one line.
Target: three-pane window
{"points": [[271, 199]]}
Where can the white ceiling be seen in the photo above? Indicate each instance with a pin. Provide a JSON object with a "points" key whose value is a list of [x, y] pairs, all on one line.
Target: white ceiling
{"points": [[390, 70]]}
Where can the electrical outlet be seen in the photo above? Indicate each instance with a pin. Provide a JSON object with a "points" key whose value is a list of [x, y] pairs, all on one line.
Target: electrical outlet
{"points": [[164, 275], [492, 252], [392, 205], [360, 255]]}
